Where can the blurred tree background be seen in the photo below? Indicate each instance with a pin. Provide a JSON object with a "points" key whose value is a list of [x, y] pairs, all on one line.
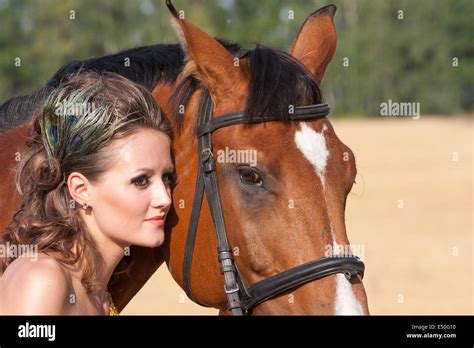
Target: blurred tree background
{"points": [[408, 51]]}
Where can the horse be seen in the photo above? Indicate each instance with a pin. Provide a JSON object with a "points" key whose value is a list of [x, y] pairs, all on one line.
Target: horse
{"points": [[280, 213]]}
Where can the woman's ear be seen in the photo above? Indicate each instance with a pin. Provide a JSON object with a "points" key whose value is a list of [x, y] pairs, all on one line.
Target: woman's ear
{"points": [[79, 188]]}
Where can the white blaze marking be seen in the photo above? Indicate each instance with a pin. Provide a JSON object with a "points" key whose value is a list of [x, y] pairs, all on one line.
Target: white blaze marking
{"points": [[313, 146], [346, 301]]}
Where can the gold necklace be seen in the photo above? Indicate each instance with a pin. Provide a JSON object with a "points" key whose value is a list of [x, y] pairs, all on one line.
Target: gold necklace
{"points": [[112, 309]]}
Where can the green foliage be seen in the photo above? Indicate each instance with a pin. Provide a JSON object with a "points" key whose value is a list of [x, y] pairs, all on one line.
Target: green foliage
{"points": [[409, 59]]}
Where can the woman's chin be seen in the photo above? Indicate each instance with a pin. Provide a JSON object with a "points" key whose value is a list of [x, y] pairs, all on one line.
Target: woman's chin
{"points": [[153, 241]]}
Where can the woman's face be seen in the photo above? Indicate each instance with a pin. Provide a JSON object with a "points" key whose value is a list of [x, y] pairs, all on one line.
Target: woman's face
{"points": [[130, 201]]}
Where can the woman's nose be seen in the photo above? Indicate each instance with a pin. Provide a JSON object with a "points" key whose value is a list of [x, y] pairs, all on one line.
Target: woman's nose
{"points": [[161, 196]]}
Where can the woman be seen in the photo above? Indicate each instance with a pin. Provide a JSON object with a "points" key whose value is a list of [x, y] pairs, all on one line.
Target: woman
{"points": [[95, 179]]}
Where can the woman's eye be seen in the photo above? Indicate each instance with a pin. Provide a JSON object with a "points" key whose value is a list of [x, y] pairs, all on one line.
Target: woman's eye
{"points": [[251, 177], [169, 179], [141, 181]]}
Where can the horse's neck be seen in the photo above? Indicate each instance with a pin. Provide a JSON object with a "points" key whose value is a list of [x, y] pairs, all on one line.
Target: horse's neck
{"points": [[12, 142]]}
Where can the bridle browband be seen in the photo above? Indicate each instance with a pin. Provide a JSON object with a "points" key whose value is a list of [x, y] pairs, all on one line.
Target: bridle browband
{"points": [[242, 298]]}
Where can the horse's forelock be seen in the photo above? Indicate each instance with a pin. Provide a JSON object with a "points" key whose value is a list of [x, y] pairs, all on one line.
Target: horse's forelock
{"points": [[278, 82]]}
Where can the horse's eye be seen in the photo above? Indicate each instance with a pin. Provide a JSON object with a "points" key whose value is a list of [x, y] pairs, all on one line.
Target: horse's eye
{"points": [[250, 177]]}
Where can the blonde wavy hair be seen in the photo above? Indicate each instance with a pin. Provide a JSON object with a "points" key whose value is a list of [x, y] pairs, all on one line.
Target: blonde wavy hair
{"points": [[65, 139]]}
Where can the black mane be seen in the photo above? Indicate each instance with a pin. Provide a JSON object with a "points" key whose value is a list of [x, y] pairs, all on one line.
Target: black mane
{"points": [[18, 109], [277, 80], [148, 65]]}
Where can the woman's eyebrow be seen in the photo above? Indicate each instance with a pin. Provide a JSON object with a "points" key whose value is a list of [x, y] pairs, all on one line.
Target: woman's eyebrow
{"points": [[146, 170], [169, 168]]}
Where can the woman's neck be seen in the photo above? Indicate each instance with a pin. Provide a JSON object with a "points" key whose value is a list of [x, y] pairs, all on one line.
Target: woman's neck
{"points": [[110, 252]]}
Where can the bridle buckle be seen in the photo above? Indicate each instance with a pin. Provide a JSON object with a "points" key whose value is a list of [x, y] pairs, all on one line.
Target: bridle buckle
{"points": [[207, 160], [206, 155], [232, 290]]}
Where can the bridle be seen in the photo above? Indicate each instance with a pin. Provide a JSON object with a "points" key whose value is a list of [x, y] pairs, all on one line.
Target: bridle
{"points": [[242, 298]]}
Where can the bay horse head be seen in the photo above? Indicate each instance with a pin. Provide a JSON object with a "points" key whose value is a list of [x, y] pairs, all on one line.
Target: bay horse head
{"points": [[277, 184]]}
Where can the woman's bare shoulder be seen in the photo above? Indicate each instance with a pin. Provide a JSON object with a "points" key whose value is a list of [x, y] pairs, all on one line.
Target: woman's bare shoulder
{"points": [[34, 286]]}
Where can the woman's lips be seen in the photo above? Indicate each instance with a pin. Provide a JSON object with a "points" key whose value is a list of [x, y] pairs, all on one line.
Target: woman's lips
{"points": [[157, 220]]}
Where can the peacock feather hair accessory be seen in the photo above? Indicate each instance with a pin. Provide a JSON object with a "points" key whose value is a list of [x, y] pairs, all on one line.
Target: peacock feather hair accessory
{"points": [[75, 123]]}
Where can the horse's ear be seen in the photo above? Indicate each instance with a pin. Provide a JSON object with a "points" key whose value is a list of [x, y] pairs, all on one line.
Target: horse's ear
{"points": [[206, 58], [315, 43]]}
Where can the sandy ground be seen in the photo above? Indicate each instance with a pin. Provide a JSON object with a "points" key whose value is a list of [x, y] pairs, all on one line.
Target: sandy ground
{"points": [[418, 257]]}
